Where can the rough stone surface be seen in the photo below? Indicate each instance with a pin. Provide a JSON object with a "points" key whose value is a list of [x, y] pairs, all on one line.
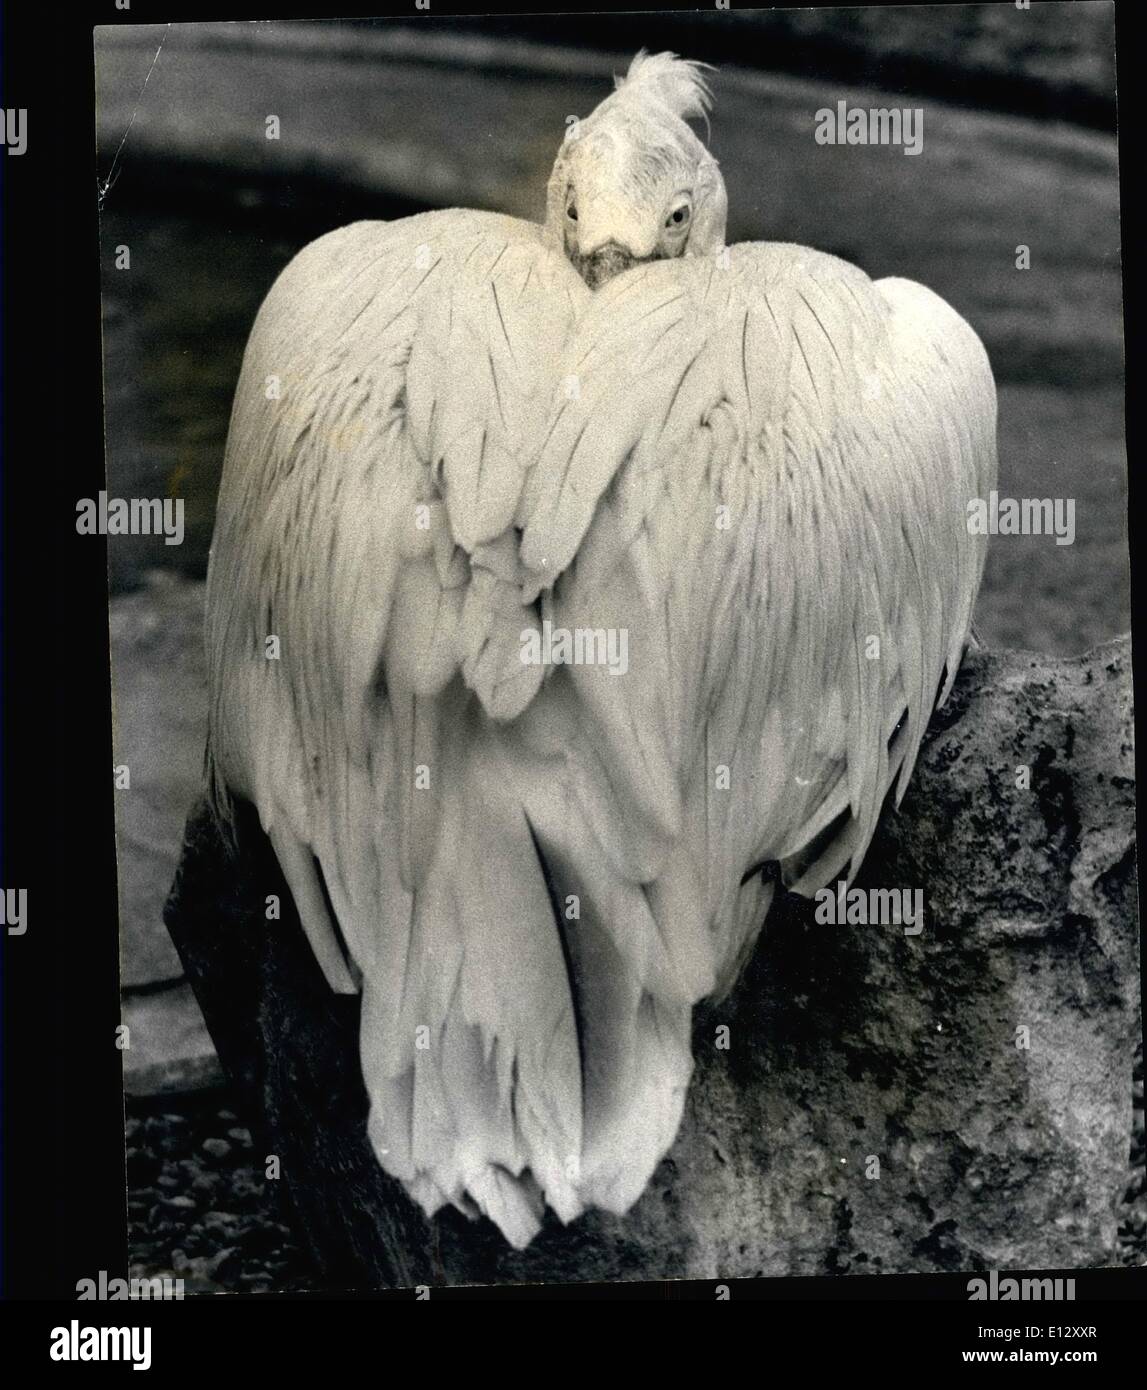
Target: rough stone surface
{"points": [[846, 1043], [159, 694], [171, 1050]]}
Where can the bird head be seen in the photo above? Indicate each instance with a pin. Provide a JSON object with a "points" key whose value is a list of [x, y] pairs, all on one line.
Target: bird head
{"points": [[632, 182]]}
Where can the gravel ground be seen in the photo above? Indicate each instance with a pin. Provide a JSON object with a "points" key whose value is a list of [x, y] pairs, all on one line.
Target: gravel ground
{"points": [[201, 1210], [199, 1206]]}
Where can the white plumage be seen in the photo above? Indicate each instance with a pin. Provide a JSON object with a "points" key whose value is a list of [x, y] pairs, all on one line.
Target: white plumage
{"points": [[755, 461]]}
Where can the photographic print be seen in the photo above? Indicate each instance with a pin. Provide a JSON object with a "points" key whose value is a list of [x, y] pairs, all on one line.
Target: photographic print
{"points": [[619, 612]]}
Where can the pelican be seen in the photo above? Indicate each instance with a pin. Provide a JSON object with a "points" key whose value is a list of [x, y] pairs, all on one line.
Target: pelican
{"points": [[461, 441]]}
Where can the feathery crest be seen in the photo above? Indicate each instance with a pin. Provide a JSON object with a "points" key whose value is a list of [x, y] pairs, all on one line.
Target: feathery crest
{"points": [[675, 82]]}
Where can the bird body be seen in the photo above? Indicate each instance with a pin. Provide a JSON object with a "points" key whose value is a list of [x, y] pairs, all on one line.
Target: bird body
{"points": [[459, 433]]}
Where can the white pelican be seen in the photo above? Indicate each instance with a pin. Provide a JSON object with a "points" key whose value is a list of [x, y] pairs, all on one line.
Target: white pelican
{"points": [[461, 443]]}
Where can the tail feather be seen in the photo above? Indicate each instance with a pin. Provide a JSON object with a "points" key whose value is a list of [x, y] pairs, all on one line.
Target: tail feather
{"points": [[534, 1049]]}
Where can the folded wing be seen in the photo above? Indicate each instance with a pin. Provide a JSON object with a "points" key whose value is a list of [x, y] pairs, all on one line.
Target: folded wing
{"points": [[765, 474]]}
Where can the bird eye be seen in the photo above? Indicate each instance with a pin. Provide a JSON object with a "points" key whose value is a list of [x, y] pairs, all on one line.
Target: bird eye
{"points": [[571, 212], [678, 217]]}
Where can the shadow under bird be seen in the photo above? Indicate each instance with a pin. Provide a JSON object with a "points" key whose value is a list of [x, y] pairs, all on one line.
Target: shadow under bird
{"points": [[459, 434]]}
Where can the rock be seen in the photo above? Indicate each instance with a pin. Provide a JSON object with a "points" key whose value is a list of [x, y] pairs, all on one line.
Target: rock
{"points": [[247, 1187], [159, 677], [172, 1145], [142, 1166], [220, 1223], [223, 1265], [170, 1051], [956, 1100]]}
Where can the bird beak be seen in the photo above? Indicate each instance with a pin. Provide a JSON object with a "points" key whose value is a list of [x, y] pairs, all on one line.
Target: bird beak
{"points": [[606, 262]]}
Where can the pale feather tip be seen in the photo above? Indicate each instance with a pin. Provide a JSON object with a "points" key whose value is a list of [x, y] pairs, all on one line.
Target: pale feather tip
{"points": [[675, 82]]}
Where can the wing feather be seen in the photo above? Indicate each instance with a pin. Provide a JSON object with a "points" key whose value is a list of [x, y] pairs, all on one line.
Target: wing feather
{"points": [[837, 429]]}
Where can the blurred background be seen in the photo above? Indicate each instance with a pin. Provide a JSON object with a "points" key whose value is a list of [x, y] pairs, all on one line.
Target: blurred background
{"points": [[380, 119]]}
